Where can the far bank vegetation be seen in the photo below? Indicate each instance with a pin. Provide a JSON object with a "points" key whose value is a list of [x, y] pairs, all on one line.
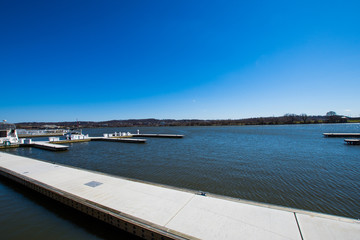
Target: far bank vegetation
{"points": [[289, 118]]}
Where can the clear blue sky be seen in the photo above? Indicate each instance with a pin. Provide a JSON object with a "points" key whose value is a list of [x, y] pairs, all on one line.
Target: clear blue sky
{"points": [[63, 60]]}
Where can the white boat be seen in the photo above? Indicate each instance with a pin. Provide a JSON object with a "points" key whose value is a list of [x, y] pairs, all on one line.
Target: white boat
{"points": [[76, 135], [8, 135]]}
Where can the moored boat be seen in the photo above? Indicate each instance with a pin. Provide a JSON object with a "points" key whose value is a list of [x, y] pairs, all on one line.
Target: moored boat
{"points": [[76, 135], [8, 135]]}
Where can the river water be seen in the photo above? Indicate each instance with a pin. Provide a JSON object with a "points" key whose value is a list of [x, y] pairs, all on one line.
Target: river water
{"points": [[287, 165]]}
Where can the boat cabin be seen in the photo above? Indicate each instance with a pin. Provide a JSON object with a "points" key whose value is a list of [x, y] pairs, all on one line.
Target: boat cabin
{"points": [[8, 134]]}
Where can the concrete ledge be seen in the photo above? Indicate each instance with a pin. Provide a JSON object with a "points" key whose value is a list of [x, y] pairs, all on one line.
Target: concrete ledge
{"points": [[138, 227]]}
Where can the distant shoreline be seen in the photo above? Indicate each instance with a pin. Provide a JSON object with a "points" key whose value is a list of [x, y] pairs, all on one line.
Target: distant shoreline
{"points": [[151, 122]]}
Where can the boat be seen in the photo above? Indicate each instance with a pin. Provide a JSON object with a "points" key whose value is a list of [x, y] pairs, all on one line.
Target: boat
{"points": [[74, 135], [8, 135]]}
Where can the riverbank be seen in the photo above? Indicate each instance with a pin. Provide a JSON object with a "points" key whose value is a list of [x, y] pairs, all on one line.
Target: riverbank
{"points": [[284, 120]]}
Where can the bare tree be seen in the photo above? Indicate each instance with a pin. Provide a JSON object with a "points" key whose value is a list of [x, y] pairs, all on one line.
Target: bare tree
{"points": [[304, 117], [290, 118]]}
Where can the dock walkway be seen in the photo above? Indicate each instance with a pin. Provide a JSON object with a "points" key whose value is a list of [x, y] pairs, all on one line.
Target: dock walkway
{"points": [[118, 139], [341, 134], [153, 211], [352, 141], [46, 145], [159, 135], [57, 145]]}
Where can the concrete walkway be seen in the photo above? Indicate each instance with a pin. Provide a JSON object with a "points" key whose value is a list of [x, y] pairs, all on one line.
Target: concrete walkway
{"points": [[183, 213]]}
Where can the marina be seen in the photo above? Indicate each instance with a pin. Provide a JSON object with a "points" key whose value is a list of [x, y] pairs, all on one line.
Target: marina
{"points": [[54, 144], [153, 211], [73, 136]]}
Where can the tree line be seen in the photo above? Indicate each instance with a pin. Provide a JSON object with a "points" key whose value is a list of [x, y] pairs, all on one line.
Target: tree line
{"points": [[289, 118]]}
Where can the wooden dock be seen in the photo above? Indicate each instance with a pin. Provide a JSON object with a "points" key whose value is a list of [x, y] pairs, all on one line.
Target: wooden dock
{"points": [[341, 134], [352, 141], [153, 211], [158, 135], [46, 146]]}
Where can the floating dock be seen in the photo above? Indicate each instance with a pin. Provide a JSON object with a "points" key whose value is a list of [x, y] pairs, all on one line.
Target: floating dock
{"points": [[159, 135], [9, 146], [106, 139], [71, 141], [118, 139], [46, 146], [341, 134], [54, 144], [57, 145], [153, 211], [352, 141]]}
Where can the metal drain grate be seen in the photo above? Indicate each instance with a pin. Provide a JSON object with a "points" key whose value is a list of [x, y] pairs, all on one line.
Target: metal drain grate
{"points": [[93, 184]]}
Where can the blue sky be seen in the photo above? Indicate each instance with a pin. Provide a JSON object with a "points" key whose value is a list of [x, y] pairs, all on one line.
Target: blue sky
{"points": [[102, 60]]}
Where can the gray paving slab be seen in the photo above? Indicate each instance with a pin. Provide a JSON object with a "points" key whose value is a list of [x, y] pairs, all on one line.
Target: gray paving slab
{"points": [[224, 219], [317, 227]]}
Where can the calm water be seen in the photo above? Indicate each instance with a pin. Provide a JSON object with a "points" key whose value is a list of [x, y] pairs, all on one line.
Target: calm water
{"points": [[291, 166]]}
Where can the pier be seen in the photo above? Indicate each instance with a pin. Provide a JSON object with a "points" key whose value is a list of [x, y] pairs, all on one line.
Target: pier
{"points": [[118, 139], [341, 134], [153, 211], [71, 141], [159, 135], [54, 142], [45, 145], [10, 146], [56, 145], [352, 141]]}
